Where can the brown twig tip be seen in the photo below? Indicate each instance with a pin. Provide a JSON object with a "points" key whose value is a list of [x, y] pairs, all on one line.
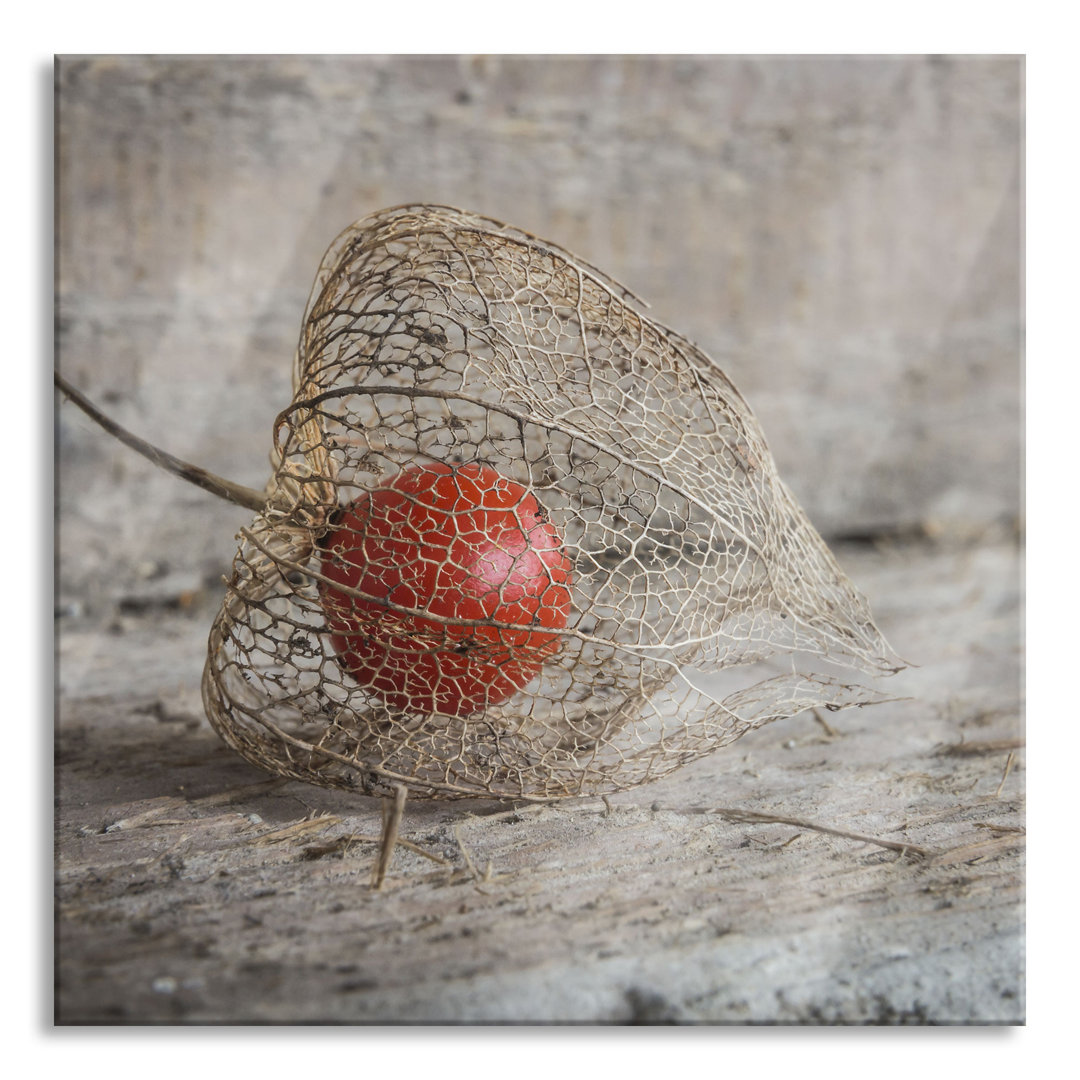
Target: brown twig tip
{"points": [[393, 809], [829, 729], [980, 747], [751, 817], [193, 474]]}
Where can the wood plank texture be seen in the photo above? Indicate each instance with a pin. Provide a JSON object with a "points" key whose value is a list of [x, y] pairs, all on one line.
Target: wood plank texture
{"points": [[843, 234], [191, 890]]}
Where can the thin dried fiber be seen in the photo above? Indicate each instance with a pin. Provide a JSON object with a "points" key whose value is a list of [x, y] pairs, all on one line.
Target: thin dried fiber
{"points": [[434, 335]]}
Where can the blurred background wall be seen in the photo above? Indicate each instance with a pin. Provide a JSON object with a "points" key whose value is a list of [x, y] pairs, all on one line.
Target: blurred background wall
{"points": [[843, 234]]}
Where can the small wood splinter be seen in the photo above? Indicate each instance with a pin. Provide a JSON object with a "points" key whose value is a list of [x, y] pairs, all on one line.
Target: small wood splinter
{"points": [[392, 811]]}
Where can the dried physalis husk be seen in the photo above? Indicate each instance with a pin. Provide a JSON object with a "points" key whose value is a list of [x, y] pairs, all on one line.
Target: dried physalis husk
{"points": [[439, 340]]}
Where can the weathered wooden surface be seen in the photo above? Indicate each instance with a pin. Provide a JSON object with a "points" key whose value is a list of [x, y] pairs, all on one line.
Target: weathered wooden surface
{"points": [[843, 234], [188, 891]]}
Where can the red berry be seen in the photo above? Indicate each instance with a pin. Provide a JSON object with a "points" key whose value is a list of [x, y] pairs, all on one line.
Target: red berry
{"points": [[459, 542]]}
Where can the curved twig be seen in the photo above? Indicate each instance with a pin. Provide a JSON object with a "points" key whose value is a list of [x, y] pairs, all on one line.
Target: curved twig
{"points": [[208, 481]]}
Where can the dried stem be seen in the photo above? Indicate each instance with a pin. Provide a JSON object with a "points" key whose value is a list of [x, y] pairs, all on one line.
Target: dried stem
{"points": [[1005, 775], [208, 481], [749, 817], [392, 813]]}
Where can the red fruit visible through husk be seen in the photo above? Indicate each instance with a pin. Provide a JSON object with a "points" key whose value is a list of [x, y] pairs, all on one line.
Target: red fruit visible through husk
{"points": [[461, 543]]}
